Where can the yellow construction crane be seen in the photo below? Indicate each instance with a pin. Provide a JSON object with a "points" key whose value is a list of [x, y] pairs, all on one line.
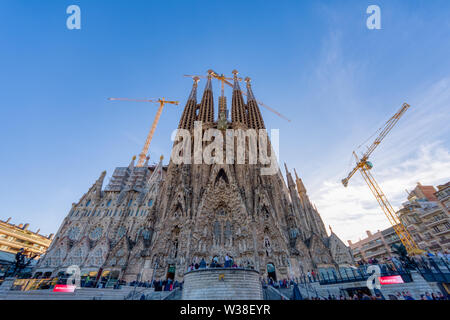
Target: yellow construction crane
{"points": [[364, 166], [162, 102], [223, 79]]}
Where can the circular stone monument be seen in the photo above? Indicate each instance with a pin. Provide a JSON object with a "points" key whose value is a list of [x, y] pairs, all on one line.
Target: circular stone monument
{"points": [[222, 284]]}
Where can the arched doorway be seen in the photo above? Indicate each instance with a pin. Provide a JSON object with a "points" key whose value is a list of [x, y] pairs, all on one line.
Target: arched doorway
{"points": [[170, 272], [271, 273]]}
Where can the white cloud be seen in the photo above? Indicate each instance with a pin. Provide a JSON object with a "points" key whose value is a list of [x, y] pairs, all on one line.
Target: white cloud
{"points": [[354, 209], [415, 151]]}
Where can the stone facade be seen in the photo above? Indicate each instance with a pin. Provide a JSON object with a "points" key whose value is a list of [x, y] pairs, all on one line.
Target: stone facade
{"points": [[222, 284], [427, 217], [194, 211], [377, 245], [16, 237], [107, 229]]}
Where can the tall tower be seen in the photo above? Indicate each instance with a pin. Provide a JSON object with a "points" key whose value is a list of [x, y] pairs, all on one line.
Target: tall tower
{"points": [[206, 112], [207, 210], [189, 113], [238, 107], [255, 120]]}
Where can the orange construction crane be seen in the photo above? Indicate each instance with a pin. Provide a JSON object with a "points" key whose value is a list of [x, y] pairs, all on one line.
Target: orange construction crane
{"points": [[223, 79], [364, 166], [162, 102]]}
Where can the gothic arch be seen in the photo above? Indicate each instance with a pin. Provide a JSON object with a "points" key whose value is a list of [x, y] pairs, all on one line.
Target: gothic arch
{"points": [[220, 172], [221, 175]]}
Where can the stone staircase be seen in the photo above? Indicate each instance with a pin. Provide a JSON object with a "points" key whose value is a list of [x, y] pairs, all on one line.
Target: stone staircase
{"points": [[307, 290], [271, 293], [79, 294], [151, 294]]}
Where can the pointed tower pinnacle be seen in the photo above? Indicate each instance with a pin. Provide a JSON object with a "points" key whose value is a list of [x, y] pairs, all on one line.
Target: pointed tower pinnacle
{"points": [[289, 176], [238, 108], [188, 117], [300, 186], [131, 165], [160, 167], [98, 185], [255, 120], [146, 161], [206, 114]]}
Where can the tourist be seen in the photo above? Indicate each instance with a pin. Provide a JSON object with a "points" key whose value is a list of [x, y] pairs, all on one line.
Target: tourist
{"points": [[441, 296], [227, 261], [309, 275], [365, 297], [408, 296]]}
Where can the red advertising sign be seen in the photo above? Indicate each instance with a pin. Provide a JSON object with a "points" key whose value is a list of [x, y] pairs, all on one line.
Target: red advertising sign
{"points": [[391, 280], [64, 288]]}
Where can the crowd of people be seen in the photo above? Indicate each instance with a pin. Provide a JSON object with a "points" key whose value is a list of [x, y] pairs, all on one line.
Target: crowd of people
{"points": [[228, 263], [392, 264], [166, 285], [404, 295], [356, 295]]}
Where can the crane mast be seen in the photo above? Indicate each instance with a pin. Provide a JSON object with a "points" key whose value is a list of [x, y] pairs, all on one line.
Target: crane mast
{"points": [[364, 166], [162, 102]]}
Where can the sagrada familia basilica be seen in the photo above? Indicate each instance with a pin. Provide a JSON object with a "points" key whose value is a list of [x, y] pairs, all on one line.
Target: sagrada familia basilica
{"points": [[153, 221]]}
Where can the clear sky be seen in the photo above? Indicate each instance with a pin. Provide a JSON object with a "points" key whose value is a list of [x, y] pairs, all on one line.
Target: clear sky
{"points": [[314, 61]]}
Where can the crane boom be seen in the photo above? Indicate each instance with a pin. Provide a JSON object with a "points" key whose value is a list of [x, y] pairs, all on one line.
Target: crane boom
{"points": [[162, 102], [384, 131], [364, 166], [387, 127]]}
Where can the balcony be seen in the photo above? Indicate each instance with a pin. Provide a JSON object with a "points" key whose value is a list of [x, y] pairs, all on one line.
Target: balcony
{"points": [[41, 240], [375, 254], [17, 246], [437, 221], [430, 211], [441, 232], [374, 245]]}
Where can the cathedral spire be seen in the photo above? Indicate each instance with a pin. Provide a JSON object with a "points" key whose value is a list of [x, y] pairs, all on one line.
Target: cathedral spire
{"points": [[206, 114], [131, 165], [98, 185], [146, 161], [255, 120], [289, 176], [188, 117], [238, 108], [300, 186]]}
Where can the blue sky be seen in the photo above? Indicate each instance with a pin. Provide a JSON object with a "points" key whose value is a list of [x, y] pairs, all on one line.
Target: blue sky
{"points": [[314, 61]]}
